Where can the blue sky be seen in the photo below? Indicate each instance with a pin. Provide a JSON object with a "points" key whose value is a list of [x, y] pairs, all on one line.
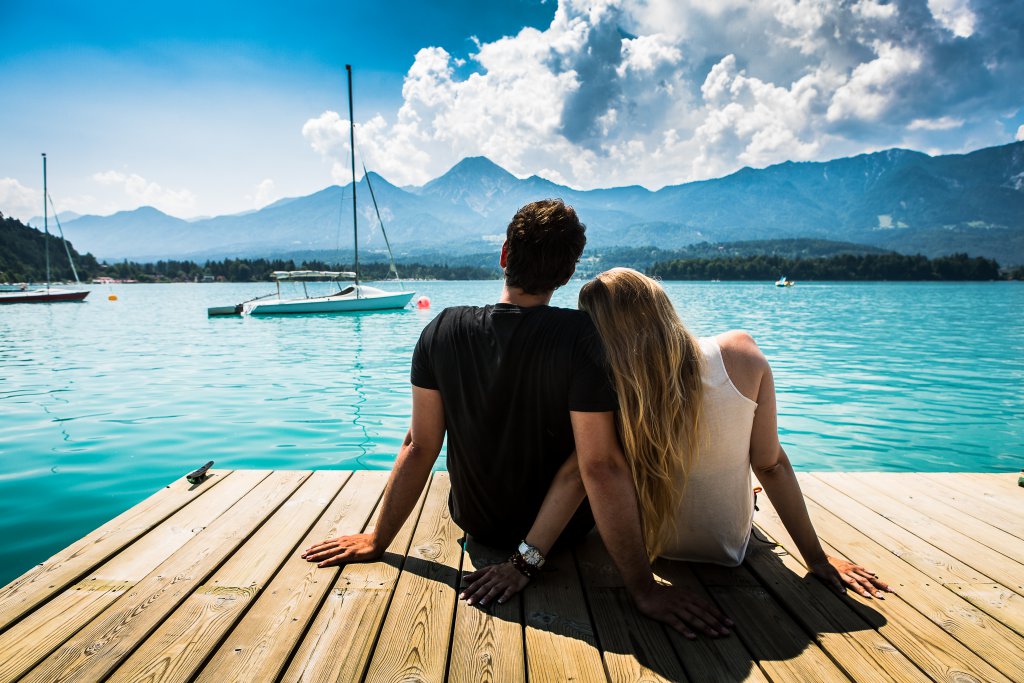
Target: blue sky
{"points": [[203, 110]]}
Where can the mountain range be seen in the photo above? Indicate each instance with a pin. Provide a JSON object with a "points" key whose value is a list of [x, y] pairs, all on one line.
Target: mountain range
{"points": [[896, 199]]}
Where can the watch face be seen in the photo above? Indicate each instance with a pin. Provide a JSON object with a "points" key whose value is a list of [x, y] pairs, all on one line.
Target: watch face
{"points": [[531, 554]]}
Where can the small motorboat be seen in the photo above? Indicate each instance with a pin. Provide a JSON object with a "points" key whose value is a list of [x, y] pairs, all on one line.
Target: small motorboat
{"points": [[783, 282]]}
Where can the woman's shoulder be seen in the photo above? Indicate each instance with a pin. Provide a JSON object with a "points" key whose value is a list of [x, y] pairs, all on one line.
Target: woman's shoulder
{"points": [[743, 360]]}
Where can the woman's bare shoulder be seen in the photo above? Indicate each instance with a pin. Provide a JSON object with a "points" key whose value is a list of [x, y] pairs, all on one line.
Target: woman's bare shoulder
{"points": [[743, 360]]}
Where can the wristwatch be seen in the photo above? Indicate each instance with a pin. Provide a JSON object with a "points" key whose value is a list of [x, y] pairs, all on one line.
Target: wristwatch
{"points": [[531, 555]]}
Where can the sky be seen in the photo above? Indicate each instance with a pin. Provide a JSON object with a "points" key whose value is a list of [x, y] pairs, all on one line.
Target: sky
{"points": [[210, 108]]}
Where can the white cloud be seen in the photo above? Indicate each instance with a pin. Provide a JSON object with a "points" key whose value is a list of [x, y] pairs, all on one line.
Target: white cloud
{"points": [[666, 91], [872, 9], [264, 193], [1020, 134], [954, 15], [873, 85], [941, 123], [19, 201], [138, 189]]}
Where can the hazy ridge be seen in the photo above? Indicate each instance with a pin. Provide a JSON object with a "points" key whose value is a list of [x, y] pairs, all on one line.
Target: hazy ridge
{"points": [[895, 199]]}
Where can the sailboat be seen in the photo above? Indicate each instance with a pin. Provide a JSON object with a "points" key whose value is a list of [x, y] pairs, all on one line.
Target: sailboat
{"points": [[354, 297], [49, 294]]}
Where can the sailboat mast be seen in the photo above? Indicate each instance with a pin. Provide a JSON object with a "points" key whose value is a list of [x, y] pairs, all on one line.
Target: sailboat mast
{"points": [[352, 148], [46, 226]]}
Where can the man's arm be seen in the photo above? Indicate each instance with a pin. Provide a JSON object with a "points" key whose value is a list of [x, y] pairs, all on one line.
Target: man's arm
{"points": [[612, 495], [408, 477]]}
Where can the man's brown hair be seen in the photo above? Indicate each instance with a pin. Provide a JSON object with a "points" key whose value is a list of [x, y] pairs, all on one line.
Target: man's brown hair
{"points": [[545, 240]]}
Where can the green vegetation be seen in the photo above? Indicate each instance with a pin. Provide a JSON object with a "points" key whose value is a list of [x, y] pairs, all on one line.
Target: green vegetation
{"points": [[259, 270], [23, 255], [643, 258], [890, 266]]}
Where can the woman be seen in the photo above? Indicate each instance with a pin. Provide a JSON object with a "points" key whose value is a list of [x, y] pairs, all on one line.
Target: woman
{"points": [[695, 417]]}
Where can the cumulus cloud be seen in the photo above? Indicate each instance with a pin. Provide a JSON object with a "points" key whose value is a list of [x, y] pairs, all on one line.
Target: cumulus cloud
{"points": [[1020, 134], [954, 15], [941, 123], [264, 193], [19, 201], [874, 85], [145, 192], [667, 91]]}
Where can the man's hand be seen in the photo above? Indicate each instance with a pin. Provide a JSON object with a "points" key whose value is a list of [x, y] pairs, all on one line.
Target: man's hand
{"points": [[840, 574], [344, 549], [498, 581], [683, 611]]}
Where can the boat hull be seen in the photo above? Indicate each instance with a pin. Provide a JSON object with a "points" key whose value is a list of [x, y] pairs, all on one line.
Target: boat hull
{"points": [[42, 296], [330, 304]]}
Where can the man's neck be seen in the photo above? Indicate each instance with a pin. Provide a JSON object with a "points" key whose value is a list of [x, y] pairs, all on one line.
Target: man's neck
{"points": [[517, 297]]}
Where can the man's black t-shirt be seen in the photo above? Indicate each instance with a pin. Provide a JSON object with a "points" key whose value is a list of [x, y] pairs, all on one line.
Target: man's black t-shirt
{"points": [[508, 377]]}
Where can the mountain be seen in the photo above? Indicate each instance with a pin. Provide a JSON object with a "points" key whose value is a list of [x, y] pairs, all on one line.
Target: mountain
{"points": [[896, 199], [63, 217]]}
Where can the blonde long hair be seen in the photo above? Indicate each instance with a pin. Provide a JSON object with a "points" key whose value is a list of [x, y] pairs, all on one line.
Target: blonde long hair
{"points": [[656, 367]]}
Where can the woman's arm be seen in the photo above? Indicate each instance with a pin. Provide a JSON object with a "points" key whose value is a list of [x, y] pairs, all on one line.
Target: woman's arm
{"points": [[771, 465], [502, 581]]}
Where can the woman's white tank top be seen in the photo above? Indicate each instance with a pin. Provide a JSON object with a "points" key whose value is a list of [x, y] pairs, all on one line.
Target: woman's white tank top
{"points": [[712, 523]]}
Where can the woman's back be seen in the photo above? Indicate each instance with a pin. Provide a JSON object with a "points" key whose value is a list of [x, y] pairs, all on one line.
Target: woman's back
{"points": [[712, 521]]}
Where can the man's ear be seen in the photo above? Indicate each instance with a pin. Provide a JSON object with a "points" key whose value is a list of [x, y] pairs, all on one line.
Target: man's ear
{"points": [[503, 260]]}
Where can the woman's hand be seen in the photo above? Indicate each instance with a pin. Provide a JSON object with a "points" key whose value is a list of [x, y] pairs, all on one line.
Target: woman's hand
{"points": [[840, 575], [497, 581]]}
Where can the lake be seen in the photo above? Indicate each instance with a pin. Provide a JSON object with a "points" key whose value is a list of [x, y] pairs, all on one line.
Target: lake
{"points": [[103, 402]]}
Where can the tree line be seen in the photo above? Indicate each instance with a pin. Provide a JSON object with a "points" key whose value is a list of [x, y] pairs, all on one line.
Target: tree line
{"points": [[890, 266]]}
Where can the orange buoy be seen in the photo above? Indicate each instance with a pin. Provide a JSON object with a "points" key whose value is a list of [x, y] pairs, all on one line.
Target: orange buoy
{"points": [[423, 302], [112, 297]]}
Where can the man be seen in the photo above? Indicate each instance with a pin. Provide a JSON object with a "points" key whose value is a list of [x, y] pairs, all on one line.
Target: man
{"points": [[518, 386]]}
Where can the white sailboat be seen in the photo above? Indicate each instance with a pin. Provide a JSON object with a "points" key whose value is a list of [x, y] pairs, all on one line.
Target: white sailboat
{"points": [[49, 294], [354, 297]]}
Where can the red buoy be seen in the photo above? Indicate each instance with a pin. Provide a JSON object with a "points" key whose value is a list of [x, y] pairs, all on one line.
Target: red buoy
{"points": [[423, 302]]}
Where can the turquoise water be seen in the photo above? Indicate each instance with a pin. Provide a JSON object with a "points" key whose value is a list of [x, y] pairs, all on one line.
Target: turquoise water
{"points": [[101, 403]]}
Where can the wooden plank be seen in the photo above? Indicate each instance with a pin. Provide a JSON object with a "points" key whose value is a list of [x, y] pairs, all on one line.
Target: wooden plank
{"points": [[941, 657], [999, 511], [186, 639], [780, 646], [981, 632], [634, 648], [74, 562], [909, 490], [259, 646], [966, 548], [718, 660], [560, 642], [94, 652], [351, 617], [935, 651], [414, 641], [1002, 486], [46, 628], [995, 599], [487, 643], [863, 653]]}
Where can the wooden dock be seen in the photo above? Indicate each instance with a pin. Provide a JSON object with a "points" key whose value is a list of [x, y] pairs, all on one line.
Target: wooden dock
{"points": [[205, 583]]}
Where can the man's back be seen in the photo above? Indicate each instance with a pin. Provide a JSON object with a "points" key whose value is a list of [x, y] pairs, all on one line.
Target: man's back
{"points": [[508, 377]]}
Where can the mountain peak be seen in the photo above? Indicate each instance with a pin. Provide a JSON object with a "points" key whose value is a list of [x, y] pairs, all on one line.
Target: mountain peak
{"points": [[475, 167]]}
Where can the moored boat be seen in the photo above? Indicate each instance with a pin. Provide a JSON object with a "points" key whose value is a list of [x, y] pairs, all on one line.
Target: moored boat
{"points": [[48, 294], [355, 297]]}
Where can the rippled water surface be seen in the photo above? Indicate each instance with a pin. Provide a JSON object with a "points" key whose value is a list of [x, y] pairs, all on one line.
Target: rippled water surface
{"points": [[101, 403]]}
